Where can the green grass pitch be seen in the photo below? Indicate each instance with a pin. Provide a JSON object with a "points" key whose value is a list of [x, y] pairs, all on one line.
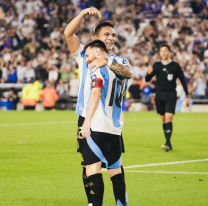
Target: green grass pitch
{"points": [[39, 165]]}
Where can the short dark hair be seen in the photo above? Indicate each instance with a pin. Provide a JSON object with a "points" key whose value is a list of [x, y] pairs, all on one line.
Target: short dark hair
{"points": [[96, 44], [165, 45], [103, 24]]}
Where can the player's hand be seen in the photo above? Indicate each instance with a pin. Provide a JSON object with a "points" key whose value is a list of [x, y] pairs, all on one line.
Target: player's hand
{"points": [[86, 129], [97, 63], [92, 12], [150, 69], [188, 101]]}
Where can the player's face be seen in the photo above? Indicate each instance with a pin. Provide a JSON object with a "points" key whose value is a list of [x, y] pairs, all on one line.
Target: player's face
{"points": [[108, 36], [164, 53], [90, 55]]}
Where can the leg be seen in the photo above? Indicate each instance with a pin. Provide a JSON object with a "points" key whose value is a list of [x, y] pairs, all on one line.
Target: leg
{"points": [[115, 170], [164, 124], [86, 185], [169, 113], [169, 128], [79, 149], [119, 187], [96, 184]]}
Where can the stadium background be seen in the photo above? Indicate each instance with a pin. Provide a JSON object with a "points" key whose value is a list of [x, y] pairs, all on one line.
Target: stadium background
{"points": [[33, 47]]}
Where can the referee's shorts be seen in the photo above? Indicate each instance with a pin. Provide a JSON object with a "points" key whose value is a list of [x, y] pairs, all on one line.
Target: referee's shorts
{"points": [[165, 102], [103, 147], [80, 138]]}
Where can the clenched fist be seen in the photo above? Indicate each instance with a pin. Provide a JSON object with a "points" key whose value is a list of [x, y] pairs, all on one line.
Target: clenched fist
{"points": [[92, 12]]}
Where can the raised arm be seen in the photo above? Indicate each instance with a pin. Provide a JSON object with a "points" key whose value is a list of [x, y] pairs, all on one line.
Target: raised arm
{"points": [[71, 39], [150, 73], [93, 104]]}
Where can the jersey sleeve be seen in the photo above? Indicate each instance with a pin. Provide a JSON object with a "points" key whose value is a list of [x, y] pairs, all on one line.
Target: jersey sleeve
{"points": [[78, 55], [148, 77], [97, 79], [182, 79]]}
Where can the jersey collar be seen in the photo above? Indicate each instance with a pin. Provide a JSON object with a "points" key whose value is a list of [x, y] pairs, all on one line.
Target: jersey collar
{"points": [[167, 63]]}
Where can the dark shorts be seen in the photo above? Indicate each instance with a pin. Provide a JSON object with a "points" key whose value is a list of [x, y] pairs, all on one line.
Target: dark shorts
{"points": [[165, 102], [103, 147], [80, 138]]}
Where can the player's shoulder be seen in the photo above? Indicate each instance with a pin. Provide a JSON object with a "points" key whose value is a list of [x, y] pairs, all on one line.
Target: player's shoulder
{"points": [[80, 51]]}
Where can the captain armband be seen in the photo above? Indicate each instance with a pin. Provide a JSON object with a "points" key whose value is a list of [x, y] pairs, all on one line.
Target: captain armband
{"points": [[96, 83]]}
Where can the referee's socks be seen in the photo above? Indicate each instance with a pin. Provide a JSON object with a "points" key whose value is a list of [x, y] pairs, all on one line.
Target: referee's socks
{"points": [[168, 132]]}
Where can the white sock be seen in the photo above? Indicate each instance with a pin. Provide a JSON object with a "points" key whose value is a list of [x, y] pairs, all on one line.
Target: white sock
{"points": [[90, 204]]}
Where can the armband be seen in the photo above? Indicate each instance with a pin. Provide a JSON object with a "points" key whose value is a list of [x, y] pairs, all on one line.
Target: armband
{"points": [[97, 83]]}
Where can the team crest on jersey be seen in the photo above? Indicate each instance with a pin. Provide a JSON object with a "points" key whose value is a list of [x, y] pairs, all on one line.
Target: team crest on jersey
{"points": [[170, 77], [164, 69], [93, 76]]}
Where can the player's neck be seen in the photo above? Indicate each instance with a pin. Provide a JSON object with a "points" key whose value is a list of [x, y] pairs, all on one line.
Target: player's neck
{"points": [[165, 61]]}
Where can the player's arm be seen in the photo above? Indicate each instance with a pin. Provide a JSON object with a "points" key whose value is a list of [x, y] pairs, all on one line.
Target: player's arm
{"points": [[183, 82], [122, 70], [93, 104], [150, 73], [71, 39]]}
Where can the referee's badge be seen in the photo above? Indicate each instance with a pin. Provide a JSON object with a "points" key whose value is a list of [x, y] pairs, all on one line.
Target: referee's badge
{"points": [[170, 77]]}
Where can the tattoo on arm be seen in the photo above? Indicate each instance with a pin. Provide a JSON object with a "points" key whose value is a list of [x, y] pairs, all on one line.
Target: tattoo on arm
{"points": [[121, 70]]}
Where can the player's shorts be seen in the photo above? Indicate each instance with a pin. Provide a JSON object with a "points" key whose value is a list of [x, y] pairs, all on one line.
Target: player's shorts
{"points": [[165, 102], [80, 138], [103, 147]]}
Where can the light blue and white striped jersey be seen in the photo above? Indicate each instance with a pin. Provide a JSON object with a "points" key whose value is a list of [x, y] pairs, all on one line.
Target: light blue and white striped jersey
{"points": [[108, 117], [79, 56]]}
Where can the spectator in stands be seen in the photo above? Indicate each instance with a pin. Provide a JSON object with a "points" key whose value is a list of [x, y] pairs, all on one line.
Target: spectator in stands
{"points": [[74, 85], [29, 74], [62, 88], [12, 75], [147, 98], [12, 96], [167, 8], [35, 33], [49, 96]]}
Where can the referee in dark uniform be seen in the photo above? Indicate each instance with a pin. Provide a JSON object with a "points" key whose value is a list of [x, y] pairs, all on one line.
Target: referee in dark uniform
{"points": [[167, 72]]}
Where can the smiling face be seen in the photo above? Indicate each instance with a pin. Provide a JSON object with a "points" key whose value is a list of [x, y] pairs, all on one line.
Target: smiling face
{"points": [[90, 54], [108, 36], [164, 53]]}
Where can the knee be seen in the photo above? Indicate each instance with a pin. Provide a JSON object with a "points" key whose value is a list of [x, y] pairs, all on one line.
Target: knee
{"points": [[113, 172], [168, 119]]}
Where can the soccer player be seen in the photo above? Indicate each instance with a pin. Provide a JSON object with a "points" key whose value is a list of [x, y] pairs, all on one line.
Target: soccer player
{"points": [[167, 72], [102, 127], [104, 32]]}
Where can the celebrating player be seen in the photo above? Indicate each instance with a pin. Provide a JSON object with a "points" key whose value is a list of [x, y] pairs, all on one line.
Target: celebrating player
{"points": [[167, 72], [102, 127], [104, 32]]}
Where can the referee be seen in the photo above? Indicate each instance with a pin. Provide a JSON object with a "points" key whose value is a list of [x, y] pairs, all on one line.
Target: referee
{"points": [[167, 72]]}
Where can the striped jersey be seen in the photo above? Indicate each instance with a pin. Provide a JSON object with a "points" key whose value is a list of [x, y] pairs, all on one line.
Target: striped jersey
{"points": [[108, 117], [79, 56]]}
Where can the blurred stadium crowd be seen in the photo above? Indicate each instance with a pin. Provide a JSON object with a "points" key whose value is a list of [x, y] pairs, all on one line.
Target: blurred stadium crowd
{"points": [[33, 47]]}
